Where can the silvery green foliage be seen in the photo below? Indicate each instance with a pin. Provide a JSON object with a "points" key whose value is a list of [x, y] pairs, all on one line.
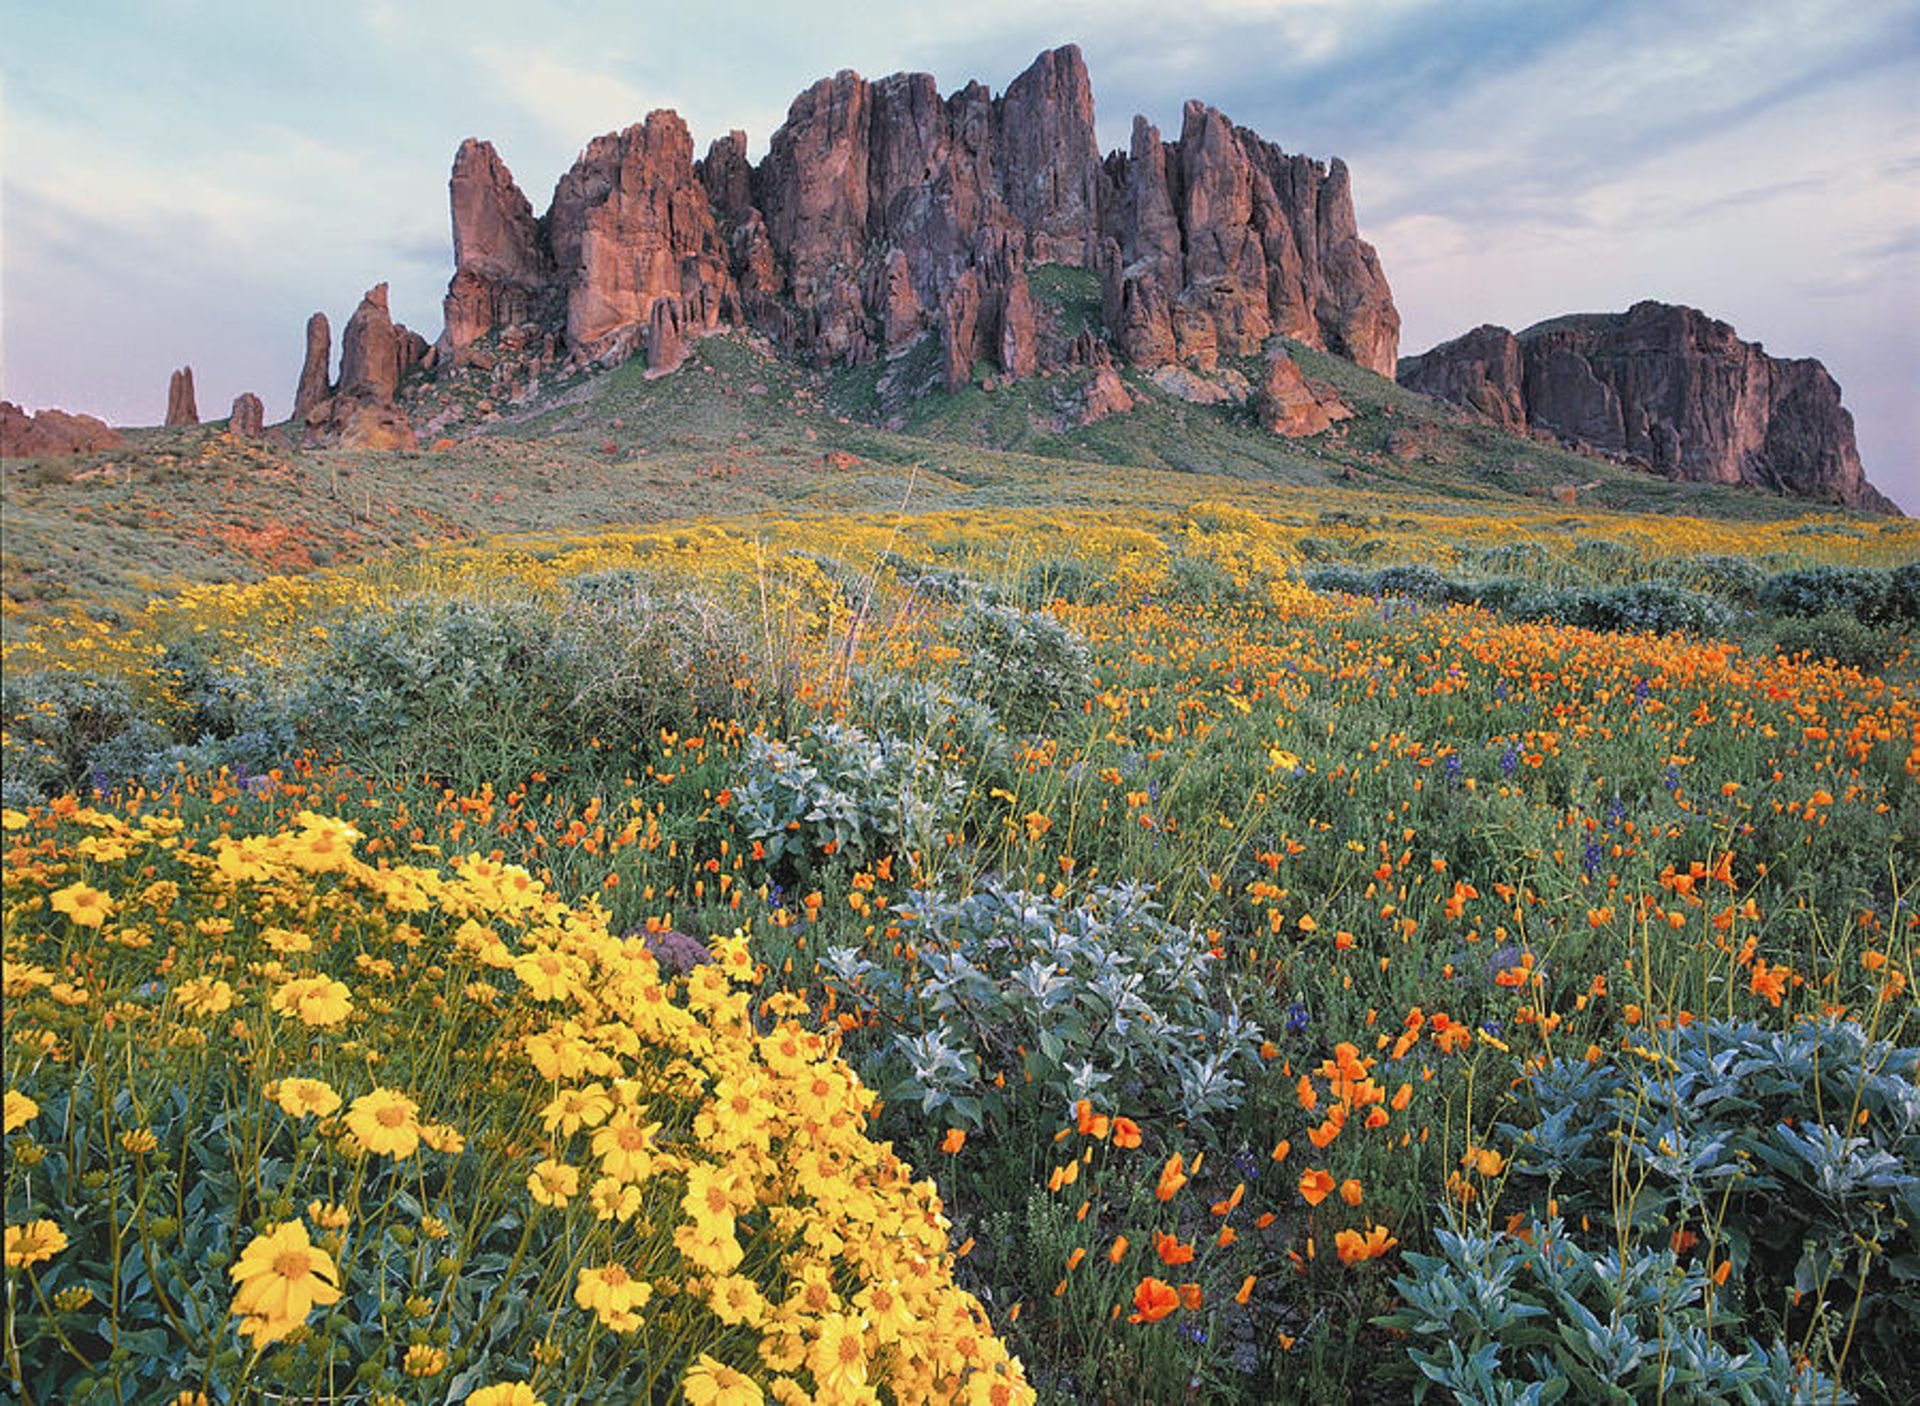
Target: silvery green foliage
{"points": [[1101, 999], [862, 793], [1495, 1318], [954, 724], [1800, 1149], [1024, 662]]}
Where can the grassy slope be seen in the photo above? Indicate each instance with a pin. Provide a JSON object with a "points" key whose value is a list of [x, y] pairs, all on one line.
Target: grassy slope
{"points": [[738, 431]]}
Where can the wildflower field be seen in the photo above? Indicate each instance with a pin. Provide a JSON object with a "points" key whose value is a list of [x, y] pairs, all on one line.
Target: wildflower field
{"points": [[1175, 954]]}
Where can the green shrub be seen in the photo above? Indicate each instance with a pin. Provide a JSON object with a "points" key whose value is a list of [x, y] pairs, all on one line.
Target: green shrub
{"points": [[1825, 590], [844, 792], [1101, 1000], [1795, 1153], [1502, 1318], [70, 732], [1835, 636], [1734, 579], [1025, 663], [1060, 578], [474, 690]]}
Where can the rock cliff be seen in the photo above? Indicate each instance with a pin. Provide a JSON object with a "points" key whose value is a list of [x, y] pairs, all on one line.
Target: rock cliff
{"points": [[883, 213], [1664, 387]]}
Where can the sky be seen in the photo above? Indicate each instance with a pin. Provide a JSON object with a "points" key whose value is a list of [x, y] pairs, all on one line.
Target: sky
{"points": [[183, 183]]}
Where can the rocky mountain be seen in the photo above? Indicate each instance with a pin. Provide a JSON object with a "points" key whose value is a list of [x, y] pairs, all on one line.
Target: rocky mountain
{"points": [[884, 214], [1665, 387]]}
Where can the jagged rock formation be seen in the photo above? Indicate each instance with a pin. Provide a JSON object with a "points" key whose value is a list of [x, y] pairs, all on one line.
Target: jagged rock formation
{"points": [[181, 410], [24, 436], [360, 411], [884, 213], [1665, 387], [248, 417], [316, 370]]}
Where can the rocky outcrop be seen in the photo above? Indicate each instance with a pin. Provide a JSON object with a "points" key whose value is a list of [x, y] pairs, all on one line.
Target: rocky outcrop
{"points": [[1664, 387], [181, 410], [631, 225], [1286, 403], [370, 350], [1019, 338], [883, 213], [50, 432], [1482, 370], [360, 412], [247, 418], [1049, 159], [503, 273], [1104, 394], [1221, 239], [315, 386]]}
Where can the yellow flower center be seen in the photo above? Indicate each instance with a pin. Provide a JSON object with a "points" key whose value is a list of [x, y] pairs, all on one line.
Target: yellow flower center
{"points": [[391, 1116], [293, 1264]]}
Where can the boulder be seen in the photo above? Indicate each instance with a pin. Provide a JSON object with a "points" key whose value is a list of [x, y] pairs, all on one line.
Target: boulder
{"points": [[1104, 394], [181, 410], [50, 432], [248, 416], [1286, 403]]}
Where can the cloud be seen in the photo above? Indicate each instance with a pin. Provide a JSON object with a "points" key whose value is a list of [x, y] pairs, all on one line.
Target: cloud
{"points": [[572, 101]]}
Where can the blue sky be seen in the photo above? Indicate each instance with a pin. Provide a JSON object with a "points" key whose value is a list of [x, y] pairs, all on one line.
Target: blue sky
{"points": [[185, 182]]}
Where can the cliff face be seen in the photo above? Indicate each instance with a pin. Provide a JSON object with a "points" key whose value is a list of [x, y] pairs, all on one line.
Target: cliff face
{"points": [[1664, 386], [884, 212]]}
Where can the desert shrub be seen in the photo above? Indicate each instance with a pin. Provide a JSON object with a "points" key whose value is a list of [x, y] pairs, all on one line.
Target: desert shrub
{"points": [[1204, 582], [1604, 558], [1794, 1154], [1343, 580], [1647, 606], [1108, 1001], [462, 689], [841, 791], [1734, 579], [1535, 1317], [1662, 610], [1500, 593], [649, 657], [1511, 557], [475, 690], [1415, 582], [1837, 636], [1027, 664], [71, 732], [1824, 590], [1903, 594]]}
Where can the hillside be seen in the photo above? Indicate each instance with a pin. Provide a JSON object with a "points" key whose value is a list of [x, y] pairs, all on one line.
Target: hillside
{"points": [[738, 430]]}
